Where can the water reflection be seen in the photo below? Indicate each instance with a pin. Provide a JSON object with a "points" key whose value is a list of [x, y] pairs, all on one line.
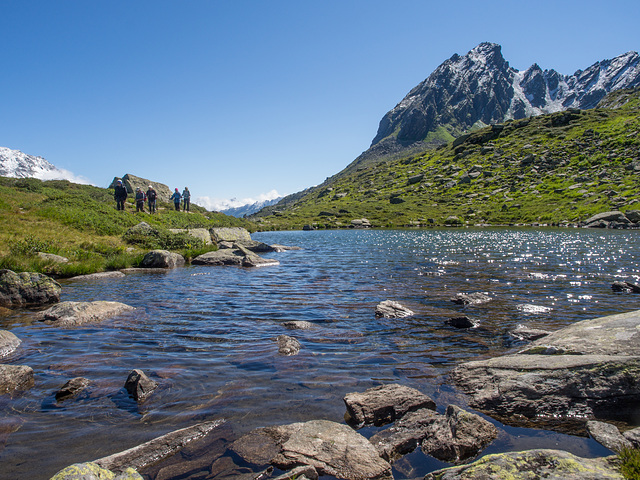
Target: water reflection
{"points": [[206, 335]]}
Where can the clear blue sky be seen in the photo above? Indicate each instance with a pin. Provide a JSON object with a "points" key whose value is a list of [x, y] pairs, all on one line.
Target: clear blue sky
{"points": [[238, 98]]}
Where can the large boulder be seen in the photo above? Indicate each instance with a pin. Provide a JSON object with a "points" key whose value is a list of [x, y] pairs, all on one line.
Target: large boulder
{"points": [[549, 464], [199, 233], [69, 314], [230, 234], [162, 259], [589, 369], [606, 219], [8, 343], [239, 256], [132, 183], [384, 404], [331, 448], [27, 289], [14, 378]]}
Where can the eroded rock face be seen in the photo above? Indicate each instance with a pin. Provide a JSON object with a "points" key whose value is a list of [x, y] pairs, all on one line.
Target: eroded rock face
{"points": [[391, 309], [588, 369], [27, 289], [331, 448], [14, 378], [162, 259], [8, 343], [549, 464], [384, 404], [69, 314]]}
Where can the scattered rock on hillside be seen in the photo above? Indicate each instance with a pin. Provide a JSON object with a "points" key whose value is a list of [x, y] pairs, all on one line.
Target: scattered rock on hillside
{"points": [[142, 228], [15, 378], [51, 257], [8, 343], [391, 309], [360, 223], [27, 289], [70, 314], [162, 259], [540, 463], [384, 404]]}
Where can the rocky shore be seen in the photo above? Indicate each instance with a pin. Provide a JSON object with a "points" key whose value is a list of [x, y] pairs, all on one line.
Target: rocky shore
{"points": [[583, 375]]}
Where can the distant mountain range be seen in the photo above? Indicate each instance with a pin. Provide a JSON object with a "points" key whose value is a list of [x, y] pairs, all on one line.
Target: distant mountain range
{"points": [[14, 163], [249, 208]]}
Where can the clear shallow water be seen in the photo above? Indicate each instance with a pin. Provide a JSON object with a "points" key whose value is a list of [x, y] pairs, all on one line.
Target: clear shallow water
{"points": [[206, 334]]}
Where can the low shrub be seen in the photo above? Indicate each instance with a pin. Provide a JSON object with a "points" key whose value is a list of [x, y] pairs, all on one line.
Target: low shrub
{"points": [[630, 467], [30, 246]]}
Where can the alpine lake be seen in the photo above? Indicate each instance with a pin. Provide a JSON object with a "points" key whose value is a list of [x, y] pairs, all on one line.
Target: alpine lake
{"points": [[207, 336]]}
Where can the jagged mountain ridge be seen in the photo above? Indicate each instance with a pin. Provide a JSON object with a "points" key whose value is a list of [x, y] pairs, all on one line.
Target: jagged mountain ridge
{"points": [[250, 208], [16, 164], [480, 88]]}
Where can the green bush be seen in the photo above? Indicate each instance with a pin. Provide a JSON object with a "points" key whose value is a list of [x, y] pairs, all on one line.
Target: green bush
{"points": [[30, 246], [630, 467]]}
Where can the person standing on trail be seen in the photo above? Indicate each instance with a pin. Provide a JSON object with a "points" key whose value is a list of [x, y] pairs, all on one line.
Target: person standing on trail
{"points": [[186, 199], [151, 198], [176, 199], [120, 195], [139, 200]]}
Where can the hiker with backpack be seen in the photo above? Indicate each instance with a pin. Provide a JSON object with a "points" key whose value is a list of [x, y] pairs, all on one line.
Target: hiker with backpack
{"points": [[151, 198], [120, 195], [186, 199], [176, 199], [139, 200]]}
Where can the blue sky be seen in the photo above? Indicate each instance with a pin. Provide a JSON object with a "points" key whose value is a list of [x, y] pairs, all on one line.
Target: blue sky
{"points": [[239, 98]]}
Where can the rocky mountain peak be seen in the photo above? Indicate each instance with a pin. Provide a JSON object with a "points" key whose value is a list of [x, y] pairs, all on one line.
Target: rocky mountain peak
{"points": [[480, 88]]}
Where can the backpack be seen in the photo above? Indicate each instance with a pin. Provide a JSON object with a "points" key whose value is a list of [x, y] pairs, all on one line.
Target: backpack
{"points": [[152, 195]]}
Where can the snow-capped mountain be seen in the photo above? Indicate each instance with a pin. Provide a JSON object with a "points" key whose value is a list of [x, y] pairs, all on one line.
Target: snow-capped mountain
{"points": [[480, 88], [14, 163], [249, 208]]}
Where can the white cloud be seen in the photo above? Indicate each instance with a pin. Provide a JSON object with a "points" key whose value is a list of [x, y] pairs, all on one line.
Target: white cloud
{"points": [[218, 204], [62, 174]]}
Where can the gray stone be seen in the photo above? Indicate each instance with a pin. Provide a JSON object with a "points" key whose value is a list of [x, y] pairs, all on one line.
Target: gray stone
{"points": [[132, 183], [15, 378], [8, 343], [384, 404], [361, 223], [297, 325], [139, 385], [69, 314], [608, 435], [199, 233], [331, 448], [142, 228], [233, 256], [51, 257], [613, 216], [391, 309], [283, 248], [288, 345], [230, 234], [588, 369], [633, 436], [156, 449], [476, 298], [162, 259], [27, 289], [523, 332], [461, 322], [305, 472], [458, 436], [92, 471], [72, 388], [99, 276], [533, 464]]}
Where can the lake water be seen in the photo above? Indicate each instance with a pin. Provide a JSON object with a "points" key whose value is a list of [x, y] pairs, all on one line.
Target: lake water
{"points": [[206, 334]]}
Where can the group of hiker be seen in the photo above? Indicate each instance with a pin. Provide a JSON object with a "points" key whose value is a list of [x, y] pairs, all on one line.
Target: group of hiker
{"points": [[120, 195]]}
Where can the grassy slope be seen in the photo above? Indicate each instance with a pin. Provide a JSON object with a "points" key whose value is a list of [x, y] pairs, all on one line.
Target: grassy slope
{"points": [[561, 167], [81, 223]]}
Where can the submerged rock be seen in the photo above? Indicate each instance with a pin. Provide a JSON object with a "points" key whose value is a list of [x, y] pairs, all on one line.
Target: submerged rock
{"points": [[288, 345], [27, 289], [71, 314], [476, 298], [8, 343], [139, 385], [549, 464], [391, 309], [461, 322], [99, 276], [586, 370], [15, 378], [72, 388], [297, 325], [384, 404]]}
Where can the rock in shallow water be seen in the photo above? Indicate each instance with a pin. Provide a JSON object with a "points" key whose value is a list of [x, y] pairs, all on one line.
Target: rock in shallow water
{"points": [[27, 289], [391, 309], [8, 343], [69, 314]]}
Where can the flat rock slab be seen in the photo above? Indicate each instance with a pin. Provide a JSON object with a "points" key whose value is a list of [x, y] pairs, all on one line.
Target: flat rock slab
{"points": [[233, 256], [15, 378], [331, 448], [589, 369], [384, 404], [99, 276], [27, 289], [8, 343], [69, 314], [391, 309], [532, 464], [230, 234]]}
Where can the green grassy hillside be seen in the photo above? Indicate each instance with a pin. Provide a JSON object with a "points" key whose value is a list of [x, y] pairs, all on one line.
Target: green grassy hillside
{"points": [[80, 222], [552, 169]]}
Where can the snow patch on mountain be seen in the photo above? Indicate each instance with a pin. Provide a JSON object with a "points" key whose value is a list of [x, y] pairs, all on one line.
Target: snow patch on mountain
{"points": [[240, 207], [16, 164]]}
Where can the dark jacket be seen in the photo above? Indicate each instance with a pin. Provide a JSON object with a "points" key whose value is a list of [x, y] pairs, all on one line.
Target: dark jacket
{"points": [[120, 192]]}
